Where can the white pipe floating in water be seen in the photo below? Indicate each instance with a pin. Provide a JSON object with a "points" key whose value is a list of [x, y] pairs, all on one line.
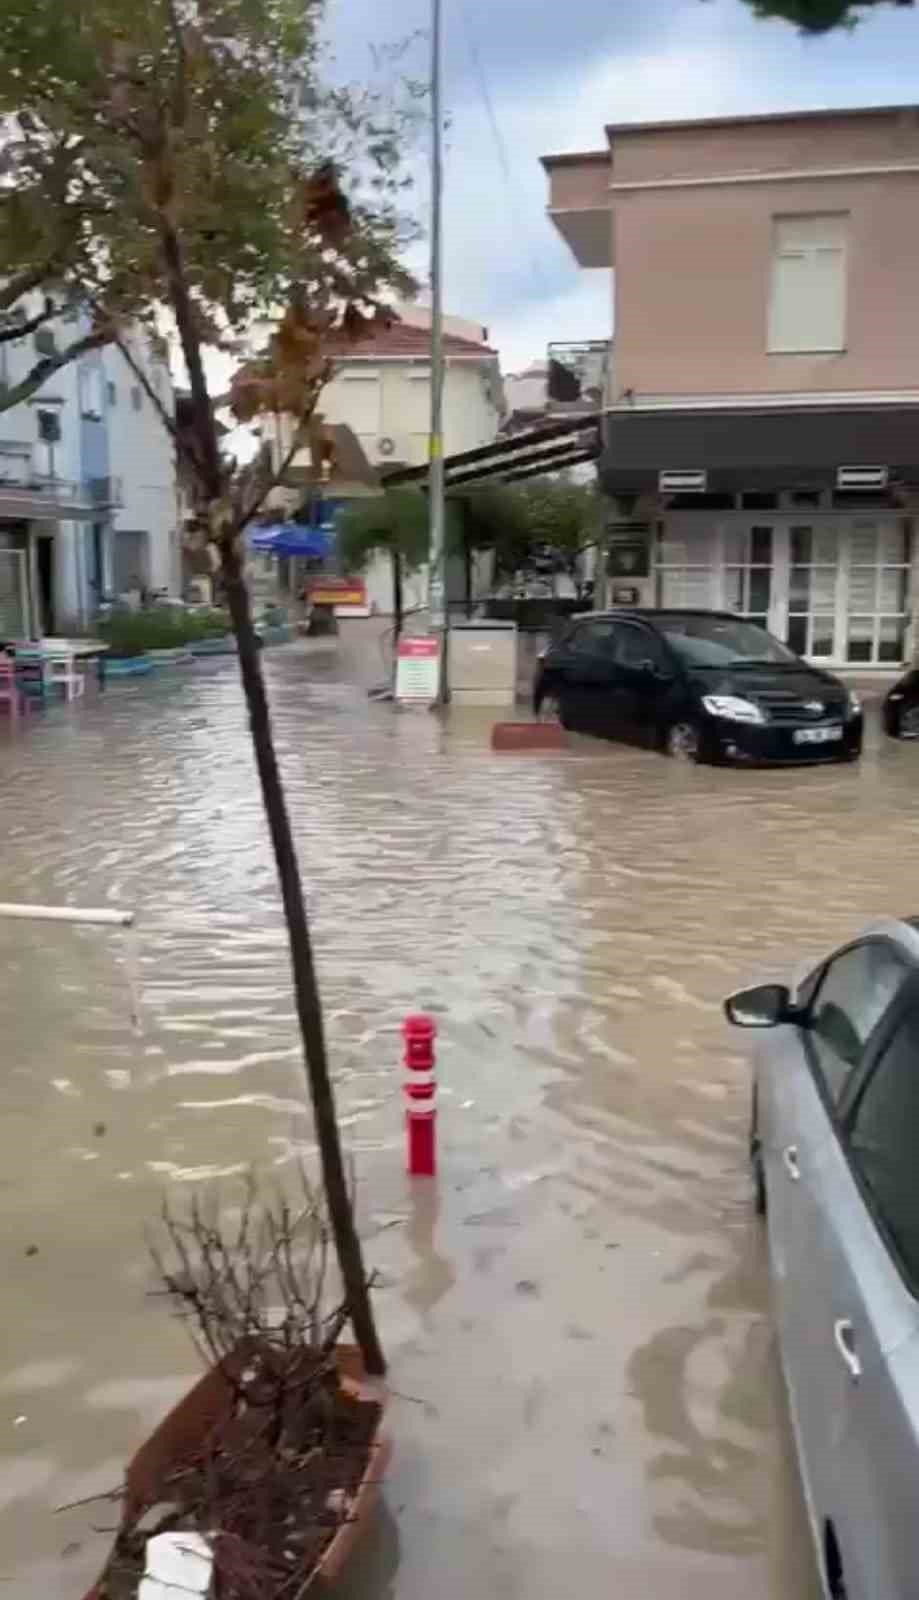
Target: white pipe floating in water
{"points": [[106, 916]]}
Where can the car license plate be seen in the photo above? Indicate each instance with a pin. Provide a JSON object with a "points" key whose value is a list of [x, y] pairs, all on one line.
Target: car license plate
{"points": [[827, 735]]}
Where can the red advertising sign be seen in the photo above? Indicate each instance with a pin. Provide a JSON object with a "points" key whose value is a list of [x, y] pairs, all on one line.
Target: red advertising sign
{"points": [[337, 592], [418, 649], [418, 670]]}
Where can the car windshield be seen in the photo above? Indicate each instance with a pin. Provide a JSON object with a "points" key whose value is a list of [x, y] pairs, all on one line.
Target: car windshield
{"points": [[723, 642]]}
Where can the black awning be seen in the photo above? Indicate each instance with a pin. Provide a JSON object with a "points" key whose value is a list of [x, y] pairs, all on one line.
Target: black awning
{"points": [[758, 449], [521, 455]]}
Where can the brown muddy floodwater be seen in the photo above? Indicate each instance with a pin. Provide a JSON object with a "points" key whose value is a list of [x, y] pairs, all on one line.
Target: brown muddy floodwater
{"points": [[576, 1313]]}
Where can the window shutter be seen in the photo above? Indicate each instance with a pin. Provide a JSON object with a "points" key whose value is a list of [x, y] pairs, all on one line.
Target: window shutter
{"points": [[807, 297]]}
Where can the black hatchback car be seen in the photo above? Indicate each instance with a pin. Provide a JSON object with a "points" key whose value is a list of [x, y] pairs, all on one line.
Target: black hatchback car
{"points": [[900, 710], [704, 685]]}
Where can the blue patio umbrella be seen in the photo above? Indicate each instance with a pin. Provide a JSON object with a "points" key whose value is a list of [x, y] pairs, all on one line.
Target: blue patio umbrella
{"points": [[291, 539]]}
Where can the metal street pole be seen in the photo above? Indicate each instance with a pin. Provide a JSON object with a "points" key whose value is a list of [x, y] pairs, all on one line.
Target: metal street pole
{"points": [[437, 569]]}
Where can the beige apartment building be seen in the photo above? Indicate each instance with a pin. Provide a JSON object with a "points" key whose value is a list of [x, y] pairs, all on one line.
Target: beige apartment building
{"points": [[761, 432], [380, 390]]}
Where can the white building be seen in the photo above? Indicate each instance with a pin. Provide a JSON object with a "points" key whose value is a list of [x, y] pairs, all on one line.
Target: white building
{"points": [[145, 539], [87, 485], [381, 390]]}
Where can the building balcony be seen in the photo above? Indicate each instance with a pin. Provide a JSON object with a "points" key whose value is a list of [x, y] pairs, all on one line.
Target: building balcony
{"points": [[580, 376], [32, 495]]}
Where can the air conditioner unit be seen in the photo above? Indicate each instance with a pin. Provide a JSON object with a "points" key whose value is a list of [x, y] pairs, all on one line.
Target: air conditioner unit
{"points": [[683, 482], [393, 447], [861, 477]]}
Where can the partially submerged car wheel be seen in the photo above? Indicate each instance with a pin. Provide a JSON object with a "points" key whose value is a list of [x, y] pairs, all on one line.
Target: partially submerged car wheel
{"points": [[550, 710], [908, 726], [682, 740]]}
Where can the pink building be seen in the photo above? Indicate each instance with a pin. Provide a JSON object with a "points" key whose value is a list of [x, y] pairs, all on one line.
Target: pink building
{"points": [[761, 432]]}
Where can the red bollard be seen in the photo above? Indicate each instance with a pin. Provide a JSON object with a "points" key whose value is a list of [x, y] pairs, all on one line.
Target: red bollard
{"points": [[419, 1033]]}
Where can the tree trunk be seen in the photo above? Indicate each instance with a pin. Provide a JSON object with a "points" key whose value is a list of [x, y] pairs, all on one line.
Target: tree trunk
{"points": [[397, 601], [210, 482], [467, 573], [306, 989], [601, 577]]}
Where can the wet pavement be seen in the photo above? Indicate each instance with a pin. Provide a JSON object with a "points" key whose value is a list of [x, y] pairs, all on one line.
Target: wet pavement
{"points": [[586, 1385]]}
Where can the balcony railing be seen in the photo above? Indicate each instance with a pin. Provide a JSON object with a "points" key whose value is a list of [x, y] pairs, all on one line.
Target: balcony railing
{"points": [[19, 477], [580, 375]]}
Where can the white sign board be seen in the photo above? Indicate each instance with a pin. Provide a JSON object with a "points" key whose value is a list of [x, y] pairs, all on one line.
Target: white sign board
{"points": [[418, 671]]}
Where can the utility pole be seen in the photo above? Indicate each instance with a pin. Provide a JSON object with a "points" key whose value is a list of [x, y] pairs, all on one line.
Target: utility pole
{"points": [[437, 568]]}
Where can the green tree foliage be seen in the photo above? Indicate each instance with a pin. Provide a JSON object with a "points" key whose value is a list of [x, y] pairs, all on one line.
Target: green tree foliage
{"points": [[395, 524], [819, 16], [152, 143], [560, 513], [551, 516], [180, 164], [520, 520], [491, 518]]}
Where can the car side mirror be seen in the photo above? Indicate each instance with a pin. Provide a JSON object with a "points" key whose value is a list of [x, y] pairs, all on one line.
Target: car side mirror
{"points": [[654, 669], [766, 1006]]}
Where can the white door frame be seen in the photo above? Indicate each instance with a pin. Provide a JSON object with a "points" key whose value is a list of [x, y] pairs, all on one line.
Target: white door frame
{"points": [[781, 524]]}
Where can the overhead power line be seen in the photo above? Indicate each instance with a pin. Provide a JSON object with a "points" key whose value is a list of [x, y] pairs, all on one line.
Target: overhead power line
{"points": [[510, 181]]}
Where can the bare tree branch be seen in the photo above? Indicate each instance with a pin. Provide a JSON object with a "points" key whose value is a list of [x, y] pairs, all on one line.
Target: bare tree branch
{"points": [[21, 330], [22, 284], [301, 436], [168, 421], [48, 365]]}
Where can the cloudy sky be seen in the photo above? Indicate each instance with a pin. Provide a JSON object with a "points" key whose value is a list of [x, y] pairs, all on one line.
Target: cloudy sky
{"points": [[529, 77]]}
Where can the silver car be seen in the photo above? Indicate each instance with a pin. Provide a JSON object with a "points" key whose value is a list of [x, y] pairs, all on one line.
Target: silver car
{"points": [[835, 1149]]}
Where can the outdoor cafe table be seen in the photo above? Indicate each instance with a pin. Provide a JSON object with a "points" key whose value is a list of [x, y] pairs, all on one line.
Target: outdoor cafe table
{"points": [[82, 650]]}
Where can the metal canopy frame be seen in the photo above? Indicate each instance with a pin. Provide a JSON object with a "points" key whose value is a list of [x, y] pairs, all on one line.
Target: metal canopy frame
{"points": [[523, 455]]}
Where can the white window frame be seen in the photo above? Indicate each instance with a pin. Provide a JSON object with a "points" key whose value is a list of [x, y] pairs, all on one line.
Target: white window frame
{"points": [[843, 526], [361, 405], [688, 562], [808, 237]]}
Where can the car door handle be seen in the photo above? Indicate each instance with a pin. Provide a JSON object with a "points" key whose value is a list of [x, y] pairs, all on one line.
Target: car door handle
{"points": [[790, 1158], [844, 1340]]}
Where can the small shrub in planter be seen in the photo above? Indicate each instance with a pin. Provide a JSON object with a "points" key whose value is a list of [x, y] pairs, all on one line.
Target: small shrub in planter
{"points": [[275, 1455], [132, 633]]}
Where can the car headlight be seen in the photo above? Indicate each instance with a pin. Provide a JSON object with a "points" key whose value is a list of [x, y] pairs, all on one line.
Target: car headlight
{"points": [[855, 704], [733, 707]]}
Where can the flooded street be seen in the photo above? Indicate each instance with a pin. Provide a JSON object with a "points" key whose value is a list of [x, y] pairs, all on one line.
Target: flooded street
{"points": [[587, 1391]]}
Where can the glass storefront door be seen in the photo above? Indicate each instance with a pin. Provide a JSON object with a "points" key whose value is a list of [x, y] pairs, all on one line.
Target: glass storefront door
{"points": [[813, 572], [748, 563], [835, 588], [877, 592]]}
